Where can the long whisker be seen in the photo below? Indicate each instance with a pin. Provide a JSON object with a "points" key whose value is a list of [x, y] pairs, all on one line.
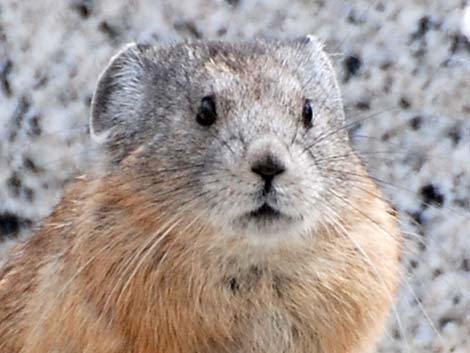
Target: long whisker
{"points": [[356, 177], [344, 232], [347, 126], [379, 226], [157, 240], [129, 264]]}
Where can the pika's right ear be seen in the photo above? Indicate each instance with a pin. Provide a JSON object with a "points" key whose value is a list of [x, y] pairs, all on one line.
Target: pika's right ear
{"points": [[118, 99]]}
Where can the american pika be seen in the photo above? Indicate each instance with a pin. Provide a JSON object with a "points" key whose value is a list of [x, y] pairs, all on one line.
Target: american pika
{"points": [[232, 215]]}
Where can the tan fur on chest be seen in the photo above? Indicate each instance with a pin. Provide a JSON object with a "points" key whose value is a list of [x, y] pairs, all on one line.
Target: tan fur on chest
{"points": [[185, 288]]}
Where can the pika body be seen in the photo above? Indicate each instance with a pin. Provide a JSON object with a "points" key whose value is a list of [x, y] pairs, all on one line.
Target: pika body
{"points": [[229, 213]]}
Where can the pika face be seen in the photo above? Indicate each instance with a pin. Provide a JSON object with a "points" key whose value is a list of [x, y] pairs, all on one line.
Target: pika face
{"points": [[248, 136]]}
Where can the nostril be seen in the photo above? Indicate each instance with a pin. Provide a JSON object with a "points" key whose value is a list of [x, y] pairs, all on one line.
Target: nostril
{"points": [[268, 168]]}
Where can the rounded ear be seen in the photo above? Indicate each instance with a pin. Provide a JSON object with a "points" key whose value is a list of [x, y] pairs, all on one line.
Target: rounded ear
{"points": [[118, 98], [312, 47], [306, 55], [316, 65]]}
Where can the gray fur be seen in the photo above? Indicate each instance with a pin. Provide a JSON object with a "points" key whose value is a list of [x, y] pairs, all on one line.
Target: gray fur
{"points": [[148, 98]]}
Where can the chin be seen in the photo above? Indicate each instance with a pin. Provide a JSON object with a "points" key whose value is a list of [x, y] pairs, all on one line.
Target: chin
{"points": [[268, 227]]}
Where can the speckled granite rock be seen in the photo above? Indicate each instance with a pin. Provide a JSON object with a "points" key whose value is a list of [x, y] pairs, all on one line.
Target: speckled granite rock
{"points": [[405, 74]]}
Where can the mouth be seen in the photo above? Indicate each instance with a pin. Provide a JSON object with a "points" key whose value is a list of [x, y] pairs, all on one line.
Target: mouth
{"points": [[266, 220], [265, 212]]}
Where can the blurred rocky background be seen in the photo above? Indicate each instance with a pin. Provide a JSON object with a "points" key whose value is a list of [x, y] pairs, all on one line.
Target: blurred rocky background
{"points": [[404, 68]]}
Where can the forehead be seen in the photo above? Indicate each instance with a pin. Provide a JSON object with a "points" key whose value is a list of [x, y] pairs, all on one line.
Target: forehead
{"points": [[259, 74]]}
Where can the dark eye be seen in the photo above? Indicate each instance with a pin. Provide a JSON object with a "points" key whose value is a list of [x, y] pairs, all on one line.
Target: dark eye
{"points": [[206, 114], [307, 113]]}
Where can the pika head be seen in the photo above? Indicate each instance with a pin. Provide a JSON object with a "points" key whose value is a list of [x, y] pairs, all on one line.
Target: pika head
{"points": [[248, 136]]}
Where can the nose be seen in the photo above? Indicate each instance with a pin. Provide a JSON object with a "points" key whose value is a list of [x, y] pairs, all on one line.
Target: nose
{"points": [[267, 168], [268, 158]]}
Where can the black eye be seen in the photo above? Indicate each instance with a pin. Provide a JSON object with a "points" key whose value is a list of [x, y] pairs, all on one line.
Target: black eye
{"points": [[206, 114], [307, 113]]}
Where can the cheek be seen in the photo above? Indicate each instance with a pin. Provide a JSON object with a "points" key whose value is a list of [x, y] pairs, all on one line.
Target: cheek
{"points": [[229, 162], [302, 164], [305, 180], [225, 177]]}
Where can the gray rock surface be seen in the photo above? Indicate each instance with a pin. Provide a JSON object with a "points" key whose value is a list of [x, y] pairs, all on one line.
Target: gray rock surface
{"points": [[404, 68]]}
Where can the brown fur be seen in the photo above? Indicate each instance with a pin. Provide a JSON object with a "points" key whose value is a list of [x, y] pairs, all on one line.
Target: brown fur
{"points": [[108, 272]]}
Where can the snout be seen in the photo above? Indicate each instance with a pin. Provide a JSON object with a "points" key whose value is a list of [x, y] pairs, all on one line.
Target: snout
{"points": [[268, 159]]}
